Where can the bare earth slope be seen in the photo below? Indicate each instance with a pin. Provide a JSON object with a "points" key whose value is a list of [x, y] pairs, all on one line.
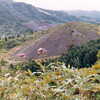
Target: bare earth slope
{"points": [[60, 38]]}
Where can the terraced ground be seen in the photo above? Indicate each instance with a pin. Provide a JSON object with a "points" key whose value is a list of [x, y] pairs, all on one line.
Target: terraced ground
{"points": [[59, 39]]}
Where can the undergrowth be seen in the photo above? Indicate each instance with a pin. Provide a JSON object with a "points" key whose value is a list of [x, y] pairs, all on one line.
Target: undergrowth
{"points": [[56, 83]]}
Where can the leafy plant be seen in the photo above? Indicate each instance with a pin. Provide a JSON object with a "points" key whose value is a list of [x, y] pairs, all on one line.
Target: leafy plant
{"points": [[59, 83]]}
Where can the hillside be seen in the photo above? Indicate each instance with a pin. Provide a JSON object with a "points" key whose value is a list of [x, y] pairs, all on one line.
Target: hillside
{"points": [[48, 54], [61, 38], [91, 14], [9, 23], [20, 18], [88, 16]]}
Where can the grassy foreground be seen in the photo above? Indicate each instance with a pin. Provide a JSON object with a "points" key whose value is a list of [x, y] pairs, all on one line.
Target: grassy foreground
{"points": [[55, 83]]}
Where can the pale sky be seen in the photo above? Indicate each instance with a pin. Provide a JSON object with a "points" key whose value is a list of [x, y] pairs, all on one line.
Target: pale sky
{"points": [[65, 4]]}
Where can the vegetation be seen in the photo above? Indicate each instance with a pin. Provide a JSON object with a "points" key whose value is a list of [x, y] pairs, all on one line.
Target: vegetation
{"points": [[35, 80], [82, 56], [64, 78], [73, 76], [98, 58], [8, 43], [20, 18], [58, 83]]}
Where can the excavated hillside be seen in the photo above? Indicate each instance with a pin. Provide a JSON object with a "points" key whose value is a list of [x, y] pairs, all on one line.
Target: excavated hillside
{"points": [[59, 39]]}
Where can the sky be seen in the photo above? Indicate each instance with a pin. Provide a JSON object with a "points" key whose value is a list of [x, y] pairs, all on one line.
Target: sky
{"points": [[65, 4]]}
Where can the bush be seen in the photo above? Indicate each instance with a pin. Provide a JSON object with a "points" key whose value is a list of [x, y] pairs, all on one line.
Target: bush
{"points": [[82, 56], [31, 65]]}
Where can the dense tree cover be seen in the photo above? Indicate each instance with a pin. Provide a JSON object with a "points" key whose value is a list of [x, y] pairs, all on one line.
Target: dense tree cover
{"points": [[82, 56]]}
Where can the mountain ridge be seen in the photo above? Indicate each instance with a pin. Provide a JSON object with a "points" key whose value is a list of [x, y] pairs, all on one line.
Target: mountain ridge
{"points": [[17, 16], [20, 18]]}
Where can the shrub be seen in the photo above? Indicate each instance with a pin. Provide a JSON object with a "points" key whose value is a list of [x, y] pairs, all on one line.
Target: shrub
{"points": [[82, 56], [31, 65]]}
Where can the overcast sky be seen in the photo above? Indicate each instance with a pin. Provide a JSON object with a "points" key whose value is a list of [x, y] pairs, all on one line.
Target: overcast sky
{"points": [[65, 4]]}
